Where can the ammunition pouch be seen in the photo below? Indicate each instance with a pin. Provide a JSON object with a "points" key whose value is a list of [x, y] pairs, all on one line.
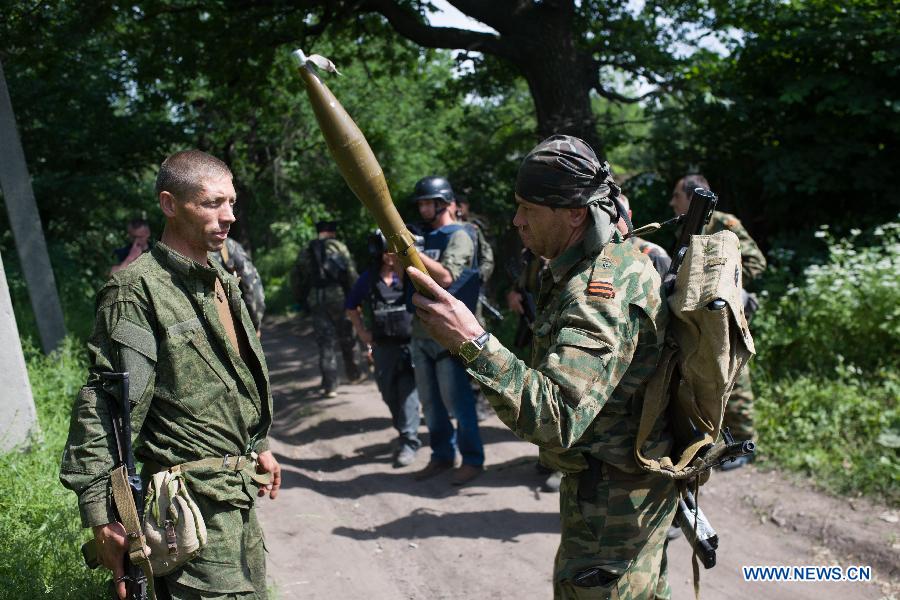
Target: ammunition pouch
{"points": [[173, 526]]}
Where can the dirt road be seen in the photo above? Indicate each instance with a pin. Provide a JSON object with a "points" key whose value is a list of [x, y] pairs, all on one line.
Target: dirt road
{"points": [[348, 525]]}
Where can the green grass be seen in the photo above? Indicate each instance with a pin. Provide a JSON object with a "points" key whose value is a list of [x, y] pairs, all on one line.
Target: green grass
{"points": [[827, 372], [40, 531], [842, 431]]}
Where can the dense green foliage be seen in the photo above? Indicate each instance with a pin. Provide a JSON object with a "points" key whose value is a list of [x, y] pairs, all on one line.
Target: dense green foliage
{"points": [[40, 531], [799, 124], [796, 126], [827, 383]]}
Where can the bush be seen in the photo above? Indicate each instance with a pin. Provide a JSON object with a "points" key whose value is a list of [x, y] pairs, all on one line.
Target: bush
{"points": [[842, 431], [845, 311], [40, 530], [826, 372]]}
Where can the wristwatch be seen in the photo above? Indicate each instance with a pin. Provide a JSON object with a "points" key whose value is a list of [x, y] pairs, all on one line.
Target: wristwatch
{"points": [[470, 350]]}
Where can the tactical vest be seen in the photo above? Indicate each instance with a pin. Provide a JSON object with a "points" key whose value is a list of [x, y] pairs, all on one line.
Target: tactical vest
{"points": [[329, 266], [391, 322], [467, 286]]}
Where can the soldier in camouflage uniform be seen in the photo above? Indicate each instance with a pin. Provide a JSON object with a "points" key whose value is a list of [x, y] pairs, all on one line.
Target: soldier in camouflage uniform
{"points": [[598, 336], [325, 271], [199, 389], [237, 261], [739, 411], [657, 254]]}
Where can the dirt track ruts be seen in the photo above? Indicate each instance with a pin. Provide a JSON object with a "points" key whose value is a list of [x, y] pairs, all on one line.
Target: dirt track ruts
{"points": [[348, 525]]}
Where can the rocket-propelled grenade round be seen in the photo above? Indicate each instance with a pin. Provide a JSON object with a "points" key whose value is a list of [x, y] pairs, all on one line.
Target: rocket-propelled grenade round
{"points": [[355, 159]]}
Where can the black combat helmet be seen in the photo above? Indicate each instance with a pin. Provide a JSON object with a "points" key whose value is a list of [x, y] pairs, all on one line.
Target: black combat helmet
{"points": [[377, 245], [433, 188]]}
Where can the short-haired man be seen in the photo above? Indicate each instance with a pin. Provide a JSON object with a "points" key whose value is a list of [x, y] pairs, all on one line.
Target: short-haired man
{"points": [[739, 411], [199, 389], [139, 235], [449, 256], [597, 339]]}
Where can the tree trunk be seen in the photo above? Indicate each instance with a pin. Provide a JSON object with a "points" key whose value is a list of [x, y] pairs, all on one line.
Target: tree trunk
{"points": [[561, 96]]}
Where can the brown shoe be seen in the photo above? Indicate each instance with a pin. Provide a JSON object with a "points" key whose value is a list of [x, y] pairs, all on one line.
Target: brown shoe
{"points": [[465, 474], [431, 469]]}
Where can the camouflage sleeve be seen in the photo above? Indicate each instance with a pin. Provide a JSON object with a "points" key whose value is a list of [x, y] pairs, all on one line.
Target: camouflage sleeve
{"points": [[553, 404], [352, 273], [458, 254], [251, 285], [752, 258], [485, 257], [122, 339]]}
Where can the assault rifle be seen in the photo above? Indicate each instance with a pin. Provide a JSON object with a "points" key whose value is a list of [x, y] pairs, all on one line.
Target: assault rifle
{"points": [[128, 496], [703, 203], [514, 270], [489, 309]]}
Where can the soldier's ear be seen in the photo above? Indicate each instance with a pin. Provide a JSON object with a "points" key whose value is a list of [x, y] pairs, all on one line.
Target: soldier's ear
{"points": [[167, 204], [578, 216]]}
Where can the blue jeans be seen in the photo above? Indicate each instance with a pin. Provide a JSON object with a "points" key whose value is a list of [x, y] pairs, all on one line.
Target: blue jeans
{"points": [[442, 381]]}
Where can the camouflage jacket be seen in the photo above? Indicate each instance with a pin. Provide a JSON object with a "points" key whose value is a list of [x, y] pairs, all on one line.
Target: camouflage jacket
{"points": [[597, 338], [192, 395], [311, 281], [240, 265], [486, 261], [754, 263], [657, 255]]}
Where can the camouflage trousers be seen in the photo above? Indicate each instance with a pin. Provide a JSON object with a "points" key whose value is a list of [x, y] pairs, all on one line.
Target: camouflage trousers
{"points": [[621, 532], [231, 566], [332, 328], [739, 410]]}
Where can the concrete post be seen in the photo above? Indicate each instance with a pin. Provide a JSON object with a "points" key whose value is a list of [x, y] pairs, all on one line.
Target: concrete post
{"points": [[18, 418], [26, 228]]}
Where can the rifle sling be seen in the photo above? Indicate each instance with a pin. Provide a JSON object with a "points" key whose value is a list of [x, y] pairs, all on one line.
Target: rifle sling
{"points": [[137, 544]]}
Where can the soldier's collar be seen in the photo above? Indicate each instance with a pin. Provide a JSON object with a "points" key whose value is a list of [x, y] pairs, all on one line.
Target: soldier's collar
{"points": [[565, 262], [183, 265], [562, 264]]}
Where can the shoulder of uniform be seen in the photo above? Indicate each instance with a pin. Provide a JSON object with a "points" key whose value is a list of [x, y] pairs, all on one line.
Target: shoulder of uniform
{"points": [[129, 284], [728, 220]]}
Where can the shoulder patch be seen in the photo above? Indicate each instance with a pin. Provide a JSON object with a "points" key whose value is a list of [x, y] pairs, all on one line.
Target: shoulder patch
{"points": [[729, 223], [602, 288]]}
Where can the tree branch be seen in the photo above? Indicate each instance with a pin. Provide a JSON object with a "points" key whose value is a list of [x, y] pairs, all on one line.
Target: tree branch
{"points": [[496, 13], [410, 25]]}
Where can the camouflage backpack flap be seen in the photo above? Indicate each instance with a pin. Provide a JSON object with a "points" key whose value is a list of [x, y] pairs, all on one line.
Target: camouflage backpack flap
{"points": [[706, 347]]}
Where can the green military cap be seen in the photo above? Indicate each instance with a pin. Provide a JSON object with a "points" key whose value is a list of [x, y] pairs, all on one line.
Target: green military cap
{"points": [[564, 172]]}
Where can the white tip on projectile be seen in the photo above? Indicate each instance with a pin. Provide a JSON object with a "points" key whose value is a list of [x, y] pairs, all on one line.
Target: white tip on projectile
{"points": [[299, 57]]}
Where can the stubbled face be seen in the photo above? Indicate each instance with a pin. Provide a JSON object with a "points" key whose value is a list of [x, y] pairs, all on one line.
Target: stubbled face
{"points": [[140, 236], [428, 209], [203, 221], [680, 201], [544, 231]]}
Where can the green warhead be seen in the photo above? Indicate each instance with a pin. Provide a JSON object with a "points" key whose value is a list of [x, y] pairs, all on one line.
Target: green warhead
{"points": [[355, 159]]}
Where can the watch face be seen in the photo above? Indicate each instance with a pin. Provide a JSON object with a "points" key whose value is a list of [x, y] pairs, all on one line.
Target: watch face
{"points": [[468, 351]]}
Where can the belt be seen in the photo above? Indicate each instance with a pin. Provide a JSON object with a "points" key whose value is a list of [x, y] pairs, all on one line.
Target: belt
{"points": [[227, 463]]}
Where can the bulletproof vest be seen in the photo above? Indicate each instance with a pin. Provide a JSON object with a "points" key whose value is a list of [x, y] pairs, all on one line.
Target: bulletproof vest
{"points": [[329, 266], [707, 344], [391, 322], [467, 286]]}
